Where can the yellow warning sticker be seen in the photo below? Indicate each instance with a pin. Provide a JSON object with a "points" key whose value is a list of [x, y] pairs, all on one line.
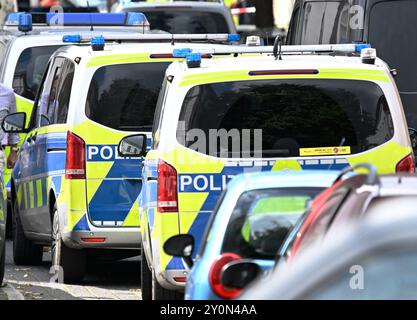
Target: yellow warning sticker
{"points": [[326, 151]]}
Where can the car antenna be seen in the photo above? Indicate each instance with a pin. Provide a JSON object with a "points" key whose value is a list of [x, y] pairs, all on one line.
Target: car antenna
{"points": [[278, 48], [89, 14]]}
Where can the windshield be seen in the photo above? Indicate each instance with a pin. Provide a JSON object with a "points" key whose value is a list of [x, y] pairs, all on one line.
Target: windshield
{"points": [[124, 96], [30, 69], [262, 219], [293, 117], [187, 21]]}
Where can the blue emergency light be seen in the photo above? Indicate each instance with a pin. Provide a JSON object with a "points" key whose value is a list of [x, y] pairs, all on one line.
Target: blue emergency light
{"points": [[233, 37], [97, 43], [360, 46], [76, 19], [193, 60], [181, 53], [73, 38]]}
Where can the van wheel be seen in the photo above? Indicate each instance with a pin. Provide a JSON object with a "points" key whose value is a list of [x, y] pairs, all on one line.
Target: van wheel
{"points": [[25, 252], [145, 278], [2, 263], [160, 293], [68, 264]]}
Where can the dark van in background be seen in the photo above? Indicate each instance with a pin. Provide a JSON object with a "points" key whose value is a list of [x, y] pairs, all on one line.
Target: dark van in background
{"points": [[386, 24]]}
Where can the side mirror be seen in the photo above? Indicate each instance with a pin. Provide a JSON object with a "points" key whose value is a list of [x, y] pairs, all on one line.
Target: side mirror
{"points": [[413, 137], [238, 274], [133, 146], [181, 246], [14, 123]]}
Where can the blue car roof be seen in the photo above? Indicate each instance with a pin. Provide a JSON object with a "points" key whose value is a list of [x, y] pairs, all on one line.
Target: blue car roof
{"points": [[284, 179]]}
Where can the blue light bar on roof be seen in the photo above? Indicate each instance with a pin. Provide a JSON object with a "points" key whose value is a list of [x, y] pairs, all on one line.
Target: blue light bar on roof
{"points": [[83, 19], [181, 53], [73, 38], [360, 46]]}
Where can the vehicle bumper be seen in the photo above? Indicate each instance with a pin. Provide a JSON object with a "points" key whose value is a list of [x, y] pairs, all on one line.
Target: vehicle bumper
{"points": [[167, 279], [114, 238]]}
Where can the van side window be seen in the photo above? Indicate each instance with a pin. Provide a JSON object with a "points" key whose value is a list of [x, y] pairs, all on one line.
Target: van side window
{"points": [[293, 28], [319, 25], [30, 69], [64, 92], [46, 97], [159, 112]]}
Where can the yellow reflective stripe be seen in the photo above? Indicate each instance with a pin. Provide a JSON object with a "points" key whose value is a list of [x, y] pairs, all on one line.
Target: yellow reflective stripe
{"points": [[31, 195], [166, 226], [24, 105], [126, 58], [56, 128], [241, 75], [25, 195], [286, 165], [132, 219], [384, 158], [19, 195], [39, 193]]}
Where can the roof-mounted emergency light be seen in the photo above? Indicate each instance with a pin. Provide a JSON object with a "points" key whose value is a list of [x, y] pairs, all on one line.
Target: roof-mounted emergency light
{"points": [[133, 19], [193, 60], [368, 55], [97, 43]]}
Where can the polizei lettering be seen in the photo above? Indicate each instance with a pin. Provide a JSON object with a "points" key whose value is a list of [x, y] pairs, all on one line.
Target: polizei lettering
{"points": [[203, 182]]}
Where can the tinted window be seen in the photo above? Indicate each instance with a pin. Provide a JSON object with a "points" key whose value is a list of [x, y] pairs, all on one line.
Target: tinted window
{"points": [[387, 275], [63, 98], [30, 69], [330, 22], [187, 21], [124, 97], [293, 114], [390, 31], [262, 219]]}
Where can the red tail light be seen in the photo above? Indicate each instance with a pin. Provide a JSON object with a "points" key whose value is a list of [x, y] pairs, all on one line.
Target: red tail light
{"points": [[406, 164], [93, 240], [75, 162], [167, 188], [215, 274]]}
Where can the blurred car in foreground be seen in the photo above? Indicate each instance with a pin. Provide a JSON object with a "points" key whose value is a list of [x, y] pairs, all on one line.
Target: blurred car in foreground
{"points": [[183, 16], [347, 201], [375, 259], [250, 222]]}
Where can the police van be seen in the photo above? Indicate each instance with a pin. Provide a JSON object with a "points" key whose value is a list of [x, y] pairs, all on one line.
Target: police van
{"points": [[217, 118], [28, 40], [69, 183]]}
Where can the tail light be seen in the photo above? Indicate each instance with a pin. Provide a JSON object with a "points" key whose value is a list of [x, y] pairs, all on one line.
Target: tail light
{"points": [[215, 276], [167, 188], [406, 164], [75, 161]]}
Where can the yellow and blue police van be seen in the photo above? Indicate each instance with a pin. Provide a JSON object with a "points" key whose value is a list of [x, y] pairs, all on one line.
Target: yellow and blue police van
{"points": [[70, 188], [285, 110], [28, 40]]}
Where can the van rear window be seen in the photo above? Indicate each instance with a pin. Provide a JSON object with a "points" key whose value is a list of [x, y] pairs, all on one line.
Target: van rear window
{"points": [[30, 69], [187, 21], [295, 117], [124, 96]]}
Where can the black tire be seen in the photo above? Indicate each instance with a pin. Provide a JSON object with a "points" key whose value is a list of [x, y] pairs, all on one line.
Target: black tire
{"points": [[160, 293], [145, 278], [2, 263], [68, 265], [25, 252], [9, 221]]}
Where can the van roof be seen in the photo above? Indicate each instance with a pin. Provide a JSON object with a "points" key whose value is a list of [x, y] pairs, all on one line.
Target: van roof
{"points": [[288, 62]]}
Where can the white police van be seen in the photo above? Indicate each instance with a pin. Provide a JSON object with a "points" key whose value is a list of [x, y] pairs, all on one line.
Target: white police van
{"points": [[28, 40], [284, 111], [69, 183]]}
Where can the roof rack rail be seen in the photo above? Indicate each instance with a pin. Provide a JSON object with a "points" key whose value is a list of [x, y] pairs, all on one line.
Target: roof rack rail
{"points": [[372, 178], [221, 37], [24, 21], [325, 48]]}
